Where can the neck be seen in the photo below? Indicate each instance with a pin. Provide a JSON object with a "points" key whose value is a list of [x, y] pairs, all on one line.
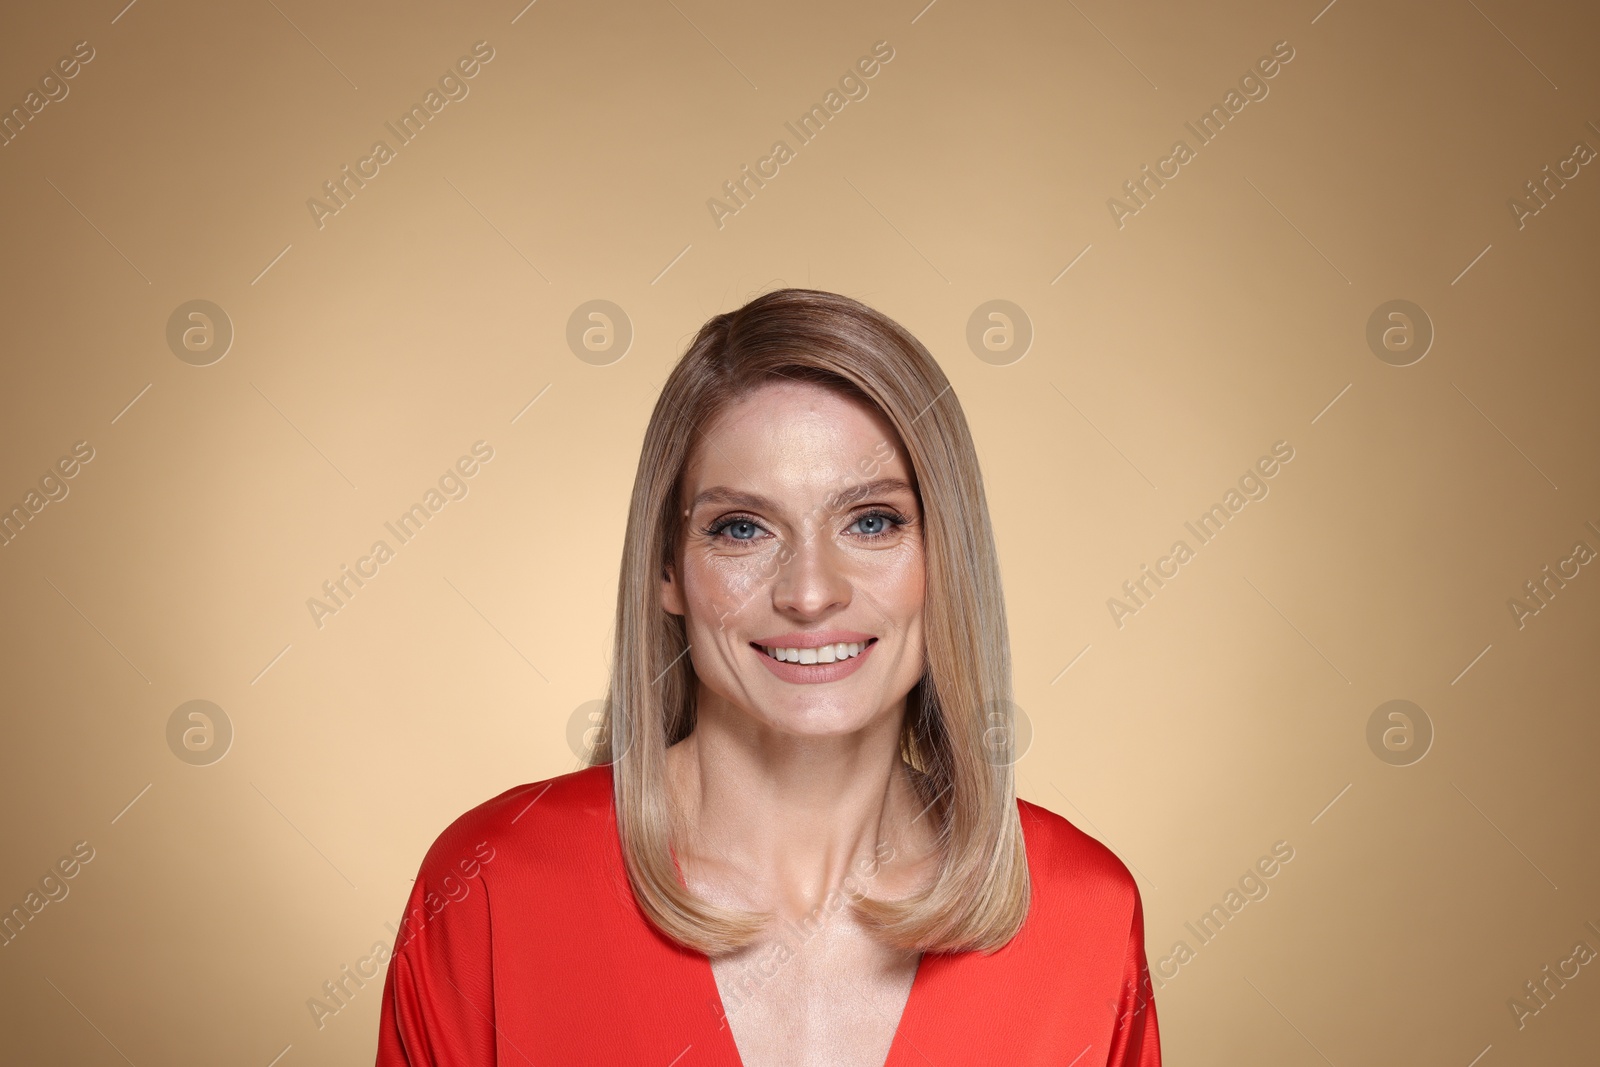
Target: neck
{"points": [[775, 821]]}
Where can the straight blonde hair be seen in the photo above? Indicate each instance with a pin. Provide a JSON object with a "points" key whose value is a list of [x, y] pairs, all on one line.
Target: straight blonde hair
{"points": [[958, 726]]}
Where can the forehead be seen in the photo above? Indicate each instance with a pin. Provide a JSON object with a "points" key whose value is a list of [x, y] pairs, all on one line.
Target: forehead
{"points": [[794, 435]]}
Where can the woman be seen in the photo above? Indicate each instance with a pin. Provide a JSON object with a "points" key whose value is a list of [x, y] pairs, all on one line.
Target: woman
{"points": [[798, 840]]}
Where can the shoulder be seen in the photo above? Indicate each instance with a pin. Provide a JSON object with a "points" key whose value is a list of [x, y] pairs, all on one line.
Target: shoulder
{"points": [[530, 821], [495, 873], [524, 861], [1067, 865]]}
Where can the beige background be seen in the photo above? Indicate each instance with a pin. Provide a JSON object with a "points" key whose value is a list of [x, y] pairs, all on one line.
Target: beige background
{"points": [[1229, 714]]}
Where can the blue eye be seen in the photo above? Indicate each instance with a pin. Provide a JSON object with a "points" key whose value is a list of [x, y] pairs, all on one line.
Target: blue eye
{"points": [[877, 524], [734, 528]]}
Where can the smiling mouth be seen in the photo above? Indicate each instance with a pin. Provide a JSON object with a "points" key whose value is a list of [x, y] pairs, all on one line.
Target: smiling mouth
{"points": [[844, 650]]}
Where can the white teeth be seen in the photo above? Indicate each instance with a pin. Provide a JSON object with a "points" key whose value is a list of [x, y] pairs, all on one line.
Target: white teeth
{"points": [[823, 654]]}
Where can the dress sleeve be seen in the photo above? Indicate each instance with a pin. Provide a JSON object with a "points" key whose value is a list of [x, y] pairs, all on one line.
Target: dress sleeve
{"points": [[438, 1003], [1136, 1041]]}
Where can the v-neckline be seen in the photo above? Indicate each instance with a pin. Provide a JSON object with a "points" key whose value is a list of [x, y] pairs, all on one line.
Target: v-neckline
{"points": [[703, 962]]}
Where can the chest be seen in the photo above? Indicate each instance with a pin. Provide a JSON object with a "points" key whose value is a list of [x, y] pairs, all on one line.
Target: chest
{"points": [[822, 1001]]}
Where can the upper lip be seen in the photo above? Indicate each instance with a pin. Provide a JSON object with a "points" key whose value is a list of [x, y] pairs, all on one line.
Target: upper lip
{"points": [[814, 639]]}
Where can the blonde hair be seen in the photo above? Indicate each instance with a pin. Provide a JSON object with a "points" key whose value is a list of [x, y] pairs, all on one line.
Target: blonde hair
{"points": [[957, 730]]}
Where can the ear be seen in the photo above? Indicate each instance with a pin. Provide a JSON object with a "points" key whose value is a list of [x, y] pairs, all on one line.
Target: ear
{"points": [[671, 591]]}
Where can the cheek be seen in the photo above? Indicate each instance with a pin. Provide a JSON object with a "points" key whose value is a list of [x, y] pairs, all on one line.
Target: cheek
{"points": [[897, 583], [721, 587]]}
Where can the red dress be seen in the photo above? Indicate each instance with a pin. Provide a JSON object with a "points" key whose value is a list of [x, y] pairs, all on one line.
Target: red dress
{"points": [[522, 945]]}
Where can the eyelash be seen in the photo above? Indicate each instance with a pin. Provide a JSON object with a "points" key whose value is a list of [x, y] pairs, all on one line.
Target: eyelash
{"points": [[895, 519]]}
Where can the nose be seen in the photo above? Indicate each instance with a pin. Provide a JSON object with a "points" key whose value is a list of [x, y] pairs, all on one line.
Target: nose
{"points": [[811, 583]]}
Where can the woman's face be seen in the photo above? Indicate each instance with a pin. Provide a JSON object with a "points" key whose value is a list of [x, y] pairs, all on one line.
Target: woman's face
{"points": [[802, 537]]}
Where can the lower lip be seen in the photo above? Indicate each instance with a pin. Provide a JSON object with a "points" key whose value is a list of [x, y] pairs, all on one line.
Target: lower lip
{"points": [[805, 673]]}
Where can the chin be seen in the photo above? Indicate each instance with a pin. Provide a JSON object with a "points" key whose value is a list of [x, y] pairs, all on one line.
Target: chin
{"points": [[817, 718]]}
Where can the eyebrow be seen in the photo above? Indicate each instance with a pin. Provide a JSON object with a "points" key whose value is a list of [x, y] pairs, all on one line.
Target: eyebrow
{"points": [[722, 494]]}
